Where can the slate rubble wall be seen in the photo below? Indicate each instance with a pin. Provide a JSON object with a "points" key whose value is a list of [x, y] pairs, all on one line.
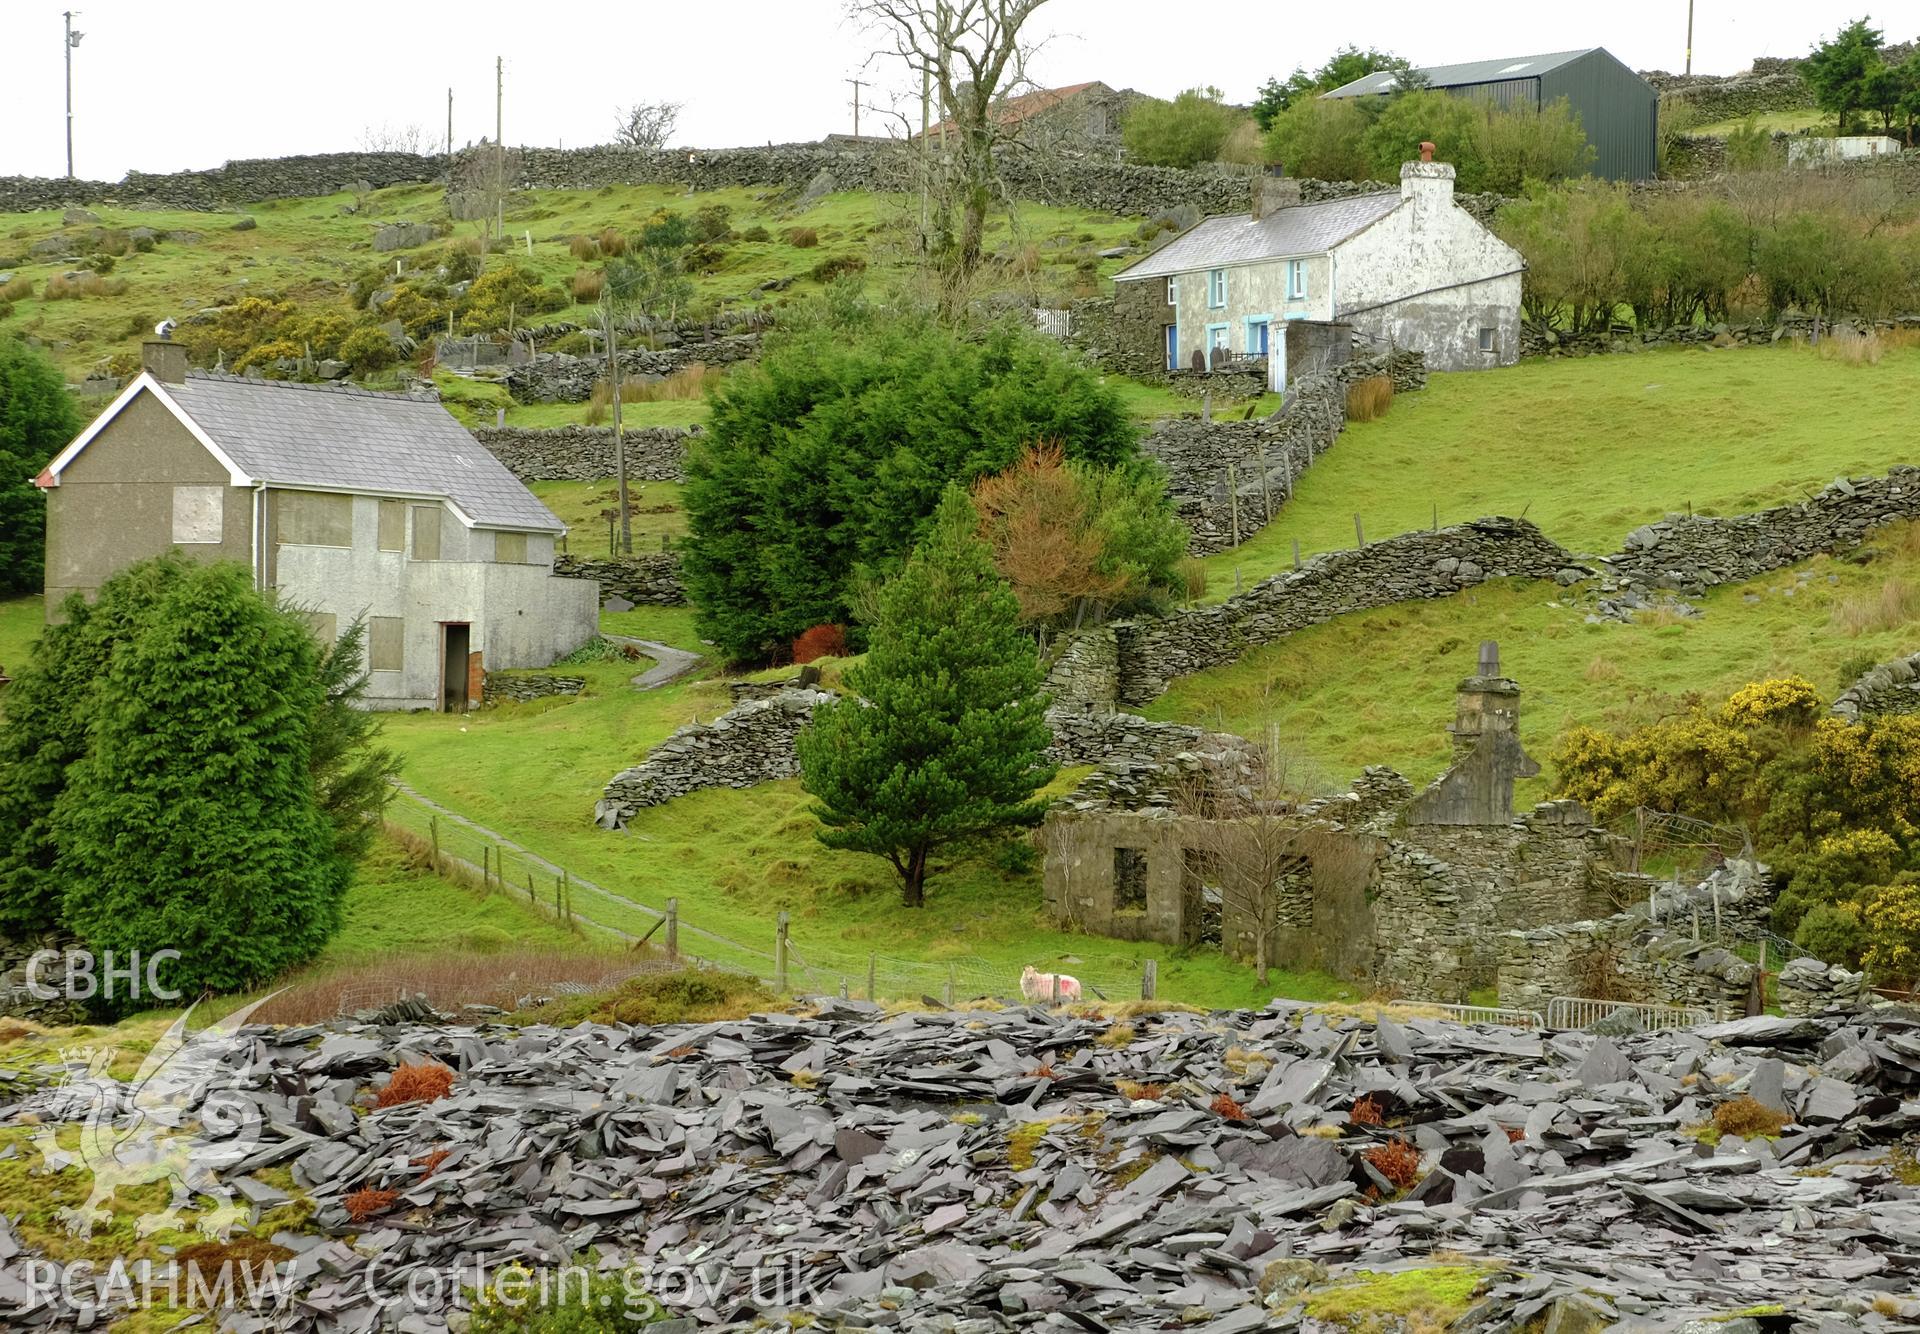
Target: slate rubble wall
{"points": [[1891, 688], [750, 743], [1692, 553], [651, 579], [529, 685], [245, 180], [585, 453]]}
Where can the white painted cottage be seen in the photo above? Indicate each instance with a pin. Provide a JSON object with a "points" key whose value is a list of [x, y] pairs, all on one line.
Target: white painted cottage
{"points": [[1408, 267]]}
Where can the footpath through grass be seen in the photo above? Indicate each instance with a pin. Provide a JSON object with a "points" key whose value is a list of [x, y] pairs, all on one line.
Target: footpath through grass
{"points": [[1589, 448]]}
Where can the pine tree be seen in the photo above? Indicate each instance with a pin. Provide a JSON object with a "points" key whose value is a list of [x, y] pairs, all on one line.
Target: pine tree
{"points": [[350, 767], [48, 708], [192, 824], [37, 419], [946, 743]]}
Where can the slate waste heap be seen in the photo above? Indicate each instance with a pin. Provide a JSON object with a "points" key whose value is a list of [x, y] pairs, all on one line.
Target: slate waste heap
{"points": [[974, 1170]]}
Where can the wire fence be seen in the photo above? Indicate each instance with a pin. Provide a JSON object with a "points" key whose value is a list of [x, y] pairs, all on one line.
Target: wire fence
{"points": [[476, 856]]}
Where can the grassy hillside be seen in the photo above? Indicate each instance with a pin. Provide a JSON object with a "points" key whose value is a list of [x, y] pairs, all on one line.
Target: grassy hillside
{"points": [[1378, 687], [310, 249], [1591, 447]]}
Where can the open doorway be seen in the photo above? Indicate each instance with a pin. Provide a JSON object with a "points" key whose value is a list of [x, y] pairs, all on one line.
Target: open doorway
{"points": [[454, 636]]}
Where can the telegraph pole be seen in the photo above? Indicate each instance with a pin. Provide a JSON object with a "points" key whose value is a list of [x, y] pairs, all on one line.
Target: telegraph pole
{"points": [[449, 122], [856, 107], [73, 40], [499, 142], [1689, 68]]}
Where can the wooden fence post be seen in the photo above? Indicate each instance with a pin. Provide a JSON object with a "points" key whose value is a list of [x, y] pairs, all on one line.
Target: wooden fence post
{"points": [[673, 929], [556, 896], [780, 954], [1266, 493], [566, 890], [1359, 533], [1296, 553], [486, 881], [870, 974], [532, 893], [433, 828], [950, 989], [1233, 500], [1150, 980]]}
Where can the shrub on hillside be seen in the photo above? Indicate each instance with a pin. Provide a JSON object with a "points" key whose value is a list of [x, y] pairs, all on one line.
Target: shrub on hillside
{"points": [[1185, 132], [822, 641], [17, 288], [837, 266], [507, 294], [756, 233], [583, 249], [368, 349], [612, 242], [713, 223], [37, 419], [588, 284], [826, 458], [115, 712], [802, 238]]}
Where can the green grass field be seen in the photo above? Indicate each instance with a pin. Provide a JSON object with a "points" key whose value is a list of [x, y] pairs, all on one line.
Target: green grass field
{"points": [[582, 506], [397, 908], [1589, 448], [308, 250], [1791, 121], [1378, 687]]}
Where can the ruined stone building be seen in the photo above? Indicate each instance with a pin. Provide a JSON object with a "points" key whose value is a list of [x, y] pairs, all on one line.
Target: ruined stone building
{"points": [[1406, 891]]}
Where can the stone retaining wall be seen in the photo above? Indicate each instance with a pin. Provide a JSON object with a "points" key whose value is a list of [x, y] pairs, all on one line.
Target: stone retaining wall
{"points": [[525, 686], [652, 579], [1736, 96], [1647, 954], [1537, 342], [1692, 553], [1892, 687], [585, 453], [1267, 455], [1808, 986], [557, 377], [1152, 653], [748, 744]]}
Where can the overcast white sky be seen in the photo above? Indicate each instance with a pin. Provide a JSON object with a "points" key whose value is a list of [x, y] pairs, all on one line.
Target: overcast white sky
{"points": [[161, 85]]}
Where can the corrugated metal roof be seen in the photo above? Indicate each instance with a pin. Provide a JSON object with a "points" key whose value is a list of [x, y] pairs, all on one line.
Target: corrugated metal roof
{"points": [[335, 436], [1302, 229], [1454, 76]]}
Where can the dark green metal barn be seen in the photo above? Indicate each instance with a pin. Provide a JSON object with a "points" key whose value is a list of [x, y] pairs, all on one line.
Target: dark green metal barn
{"points": [[1617, 108]]}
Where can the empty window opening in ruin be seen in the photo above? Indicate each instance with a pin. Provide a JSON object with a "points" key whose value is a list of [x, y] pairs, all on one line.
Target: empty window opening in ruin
{"points": [[1129, 880]]}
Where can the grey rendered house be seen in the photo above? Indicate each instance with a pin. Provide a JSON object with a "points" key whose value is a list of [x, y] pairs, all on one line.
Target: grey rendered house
{"points": [[1405, 267], [350, 504]]}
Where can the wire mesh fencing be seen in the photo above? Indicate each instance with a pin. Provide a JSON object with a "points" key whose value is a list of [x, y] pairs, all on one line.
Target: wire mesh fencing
{"points": [[784, 963]]}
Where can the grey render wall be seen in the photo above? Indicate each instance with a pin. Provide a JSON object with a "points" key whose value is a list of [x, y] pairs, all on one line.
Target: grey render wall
{"points": [[521, 616], [1428, 277]]}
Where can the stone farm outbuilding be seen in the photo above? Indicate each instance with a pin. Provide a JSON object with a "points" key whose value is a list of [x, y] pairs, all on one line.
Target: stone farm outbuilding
{"points": [[1408, 269], [349, 504]]}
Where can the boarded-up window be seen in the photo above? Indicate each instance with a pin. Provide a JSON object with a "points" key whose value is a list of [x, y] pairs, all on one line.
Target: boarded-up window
{"points": [[510, 548], [386, 636], [313, 519], [426, 532], [326, 628], [196, 513], [393, 525]]}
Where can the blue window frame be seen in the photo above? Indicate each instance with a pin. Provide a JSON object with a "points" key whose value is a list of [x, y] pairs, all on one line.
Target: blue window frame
{"points": [[1296, 279], [1216, 289], [1258, 336]]}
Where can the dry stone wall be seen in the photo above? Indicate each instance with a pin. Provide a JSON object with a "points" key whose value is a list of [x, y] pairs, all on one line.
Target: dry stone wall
{"points": [[239, 182], [1266, 456], [1692, 553], [1734, 97], [652, 579], [526, 685], [748, 744], [1151, 654], [1892, 687], [1538, 342], [585, 453], [557, 377]]}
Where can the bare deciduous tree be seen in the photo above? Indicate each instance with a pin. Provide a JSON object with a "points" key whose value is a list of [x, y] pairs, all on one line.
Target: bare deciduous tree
{"points": [[385, 138], [477, 188], [972, 55], [646, 125], [1246, 825]]}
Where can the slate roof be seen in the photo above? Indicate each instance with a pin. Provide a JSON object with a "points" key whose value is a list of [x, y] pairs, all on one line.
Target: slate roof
{"points": [[354, 439], [1456, 76], [1236, 238]]}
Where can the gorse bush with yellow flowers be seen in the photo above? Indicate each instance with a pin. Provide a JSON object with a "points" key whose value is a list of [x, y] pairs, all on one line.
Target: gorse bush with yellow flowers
{"points": [[1833, 806]]}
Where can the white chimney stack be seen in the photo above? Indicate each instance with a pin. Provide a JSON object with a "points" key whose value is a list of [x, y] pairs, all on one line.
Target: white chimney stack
{"points": [[1427, 180]]}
